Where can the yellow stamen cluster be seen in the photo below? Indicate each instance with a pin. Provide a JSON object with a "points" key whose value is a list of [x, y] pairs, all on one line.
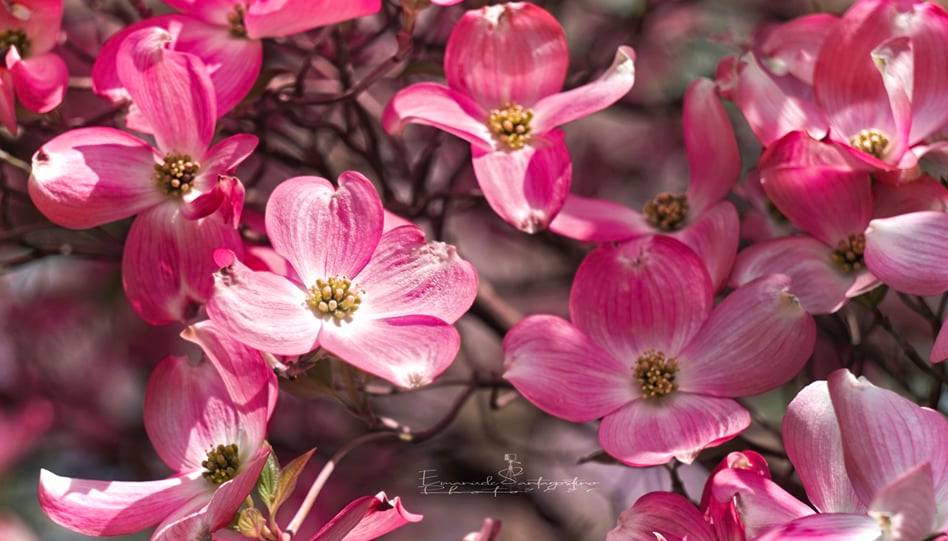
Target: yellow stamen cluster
{"points": [[872, 142], [336, 297], [656, 374], [511, 125], [176, 174], [667, 211], [14, 37], [236, 21], [221, 464], [848, 253]]}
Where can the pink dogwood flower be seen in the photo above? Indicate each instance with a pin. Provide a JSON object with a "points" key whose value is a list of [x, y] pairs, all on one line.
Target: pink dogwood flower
{"points": [[647, 351], [366, 518], [186, 206], [872, 463], [208, 423], [383, 302], [505, 67], [227, 36], [29, 71], [699, 217]]}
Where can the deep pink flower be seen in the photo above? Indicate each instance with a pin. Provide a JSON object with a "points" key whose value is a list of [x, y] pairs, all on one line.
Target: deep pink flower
{"points": [[366, 518], [384, 303], [873, 465], [699, 217], [226, 35], [186, 207], [216, 410], [646, 352], [505, 66], [29, 72]]}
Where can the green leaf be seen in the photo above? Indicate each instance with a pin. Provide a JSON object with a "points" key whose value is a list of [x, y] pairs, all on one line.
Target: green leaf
{"points": [[288, 479], [269, 480], [251, 523]]}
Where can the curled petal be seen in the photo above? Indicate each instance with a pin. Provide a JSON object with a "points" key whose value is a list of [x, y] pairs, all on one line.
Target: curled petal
{"points": [[664, 513], [761, 503], [40, 81], [598, 220], [927, 27], [792, 47], [908, 252], [276, 18], [713, 157], [436, 105], [366, 518]]}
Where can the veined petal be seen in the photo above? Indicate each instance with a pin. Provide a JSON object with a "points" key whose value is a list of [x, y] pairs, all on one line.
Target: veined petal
{"points": [[438, 106], [115, 507], [664, 513], [598, 220], [227, 154], [510, 53], [324, 231], [648, 432], [366, 518], [562, 371], [792, 47], [755, 340], [276, 18], [40, 81], [714, 237], [908, 253], [909, 503], [410, 351], [829, 527], [714, 161], [409, 276], [648, 293], [92, 176], [761, 503], [526, 187], [927, 26], [563, 107]]}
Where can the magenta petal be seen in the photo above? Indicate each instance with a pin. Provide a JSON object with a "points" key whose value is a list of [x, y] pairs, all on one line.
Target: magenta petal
{"points": [[664, 513], [509, 53], [526, 187], [227, 154], [814, 445], [761, 503], [814, 278], [171, 89], [563, 107], [366, 518], [940, 348], [212, 11], [648, 293], [918, 195], [323, 231], [276, 18], [928, 29], [562, 371], [755, 340], [598, 220], [263, 310], [714, 236], [92, 176], [409, 276], [714, 161], [40, 81], [115, 507], [908, 253], [678, 426], [228, 497], [830, 527], [40, 19], [409, 351], [793, 47], [7, 102], [438, 106], [909, 502]]}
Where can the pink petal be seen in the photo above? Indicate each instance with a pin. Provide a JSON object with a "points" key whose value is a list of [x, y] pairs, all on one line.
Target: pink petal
{"points": [[168, 262], [392, 221], [226, 155], [526, 187], [885, 436], [919, 195], [409, 351], [562, 371], [814, 445], [714, 237], [816, 187], [648, 293], [761, 503], [40, 19], [909, 502], [366, 518], [40, 81], [814, 278], [758, 338], [171, 89], [211, 11], [323, 231], [664, 513], [713, 157], [511, 53], [263, 310], [597, 220], [927, 25], [436, 105], [115, 507], [408, 276], [907, 252], [792, 47], [7, 102], [92, 176], [831, 527], [649, 432], [563, 107], [940, 348], [276, 18]]}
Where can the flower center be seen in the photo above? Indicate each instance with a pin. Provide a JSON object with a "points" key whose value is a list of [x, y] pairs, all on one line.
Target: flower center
{"points": [[221, 464], [848, 253], [511, 125], [14, 38], [667, 211], [236, 21], [176, 174], [871, 141], [336, 297], [656, 374]]}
